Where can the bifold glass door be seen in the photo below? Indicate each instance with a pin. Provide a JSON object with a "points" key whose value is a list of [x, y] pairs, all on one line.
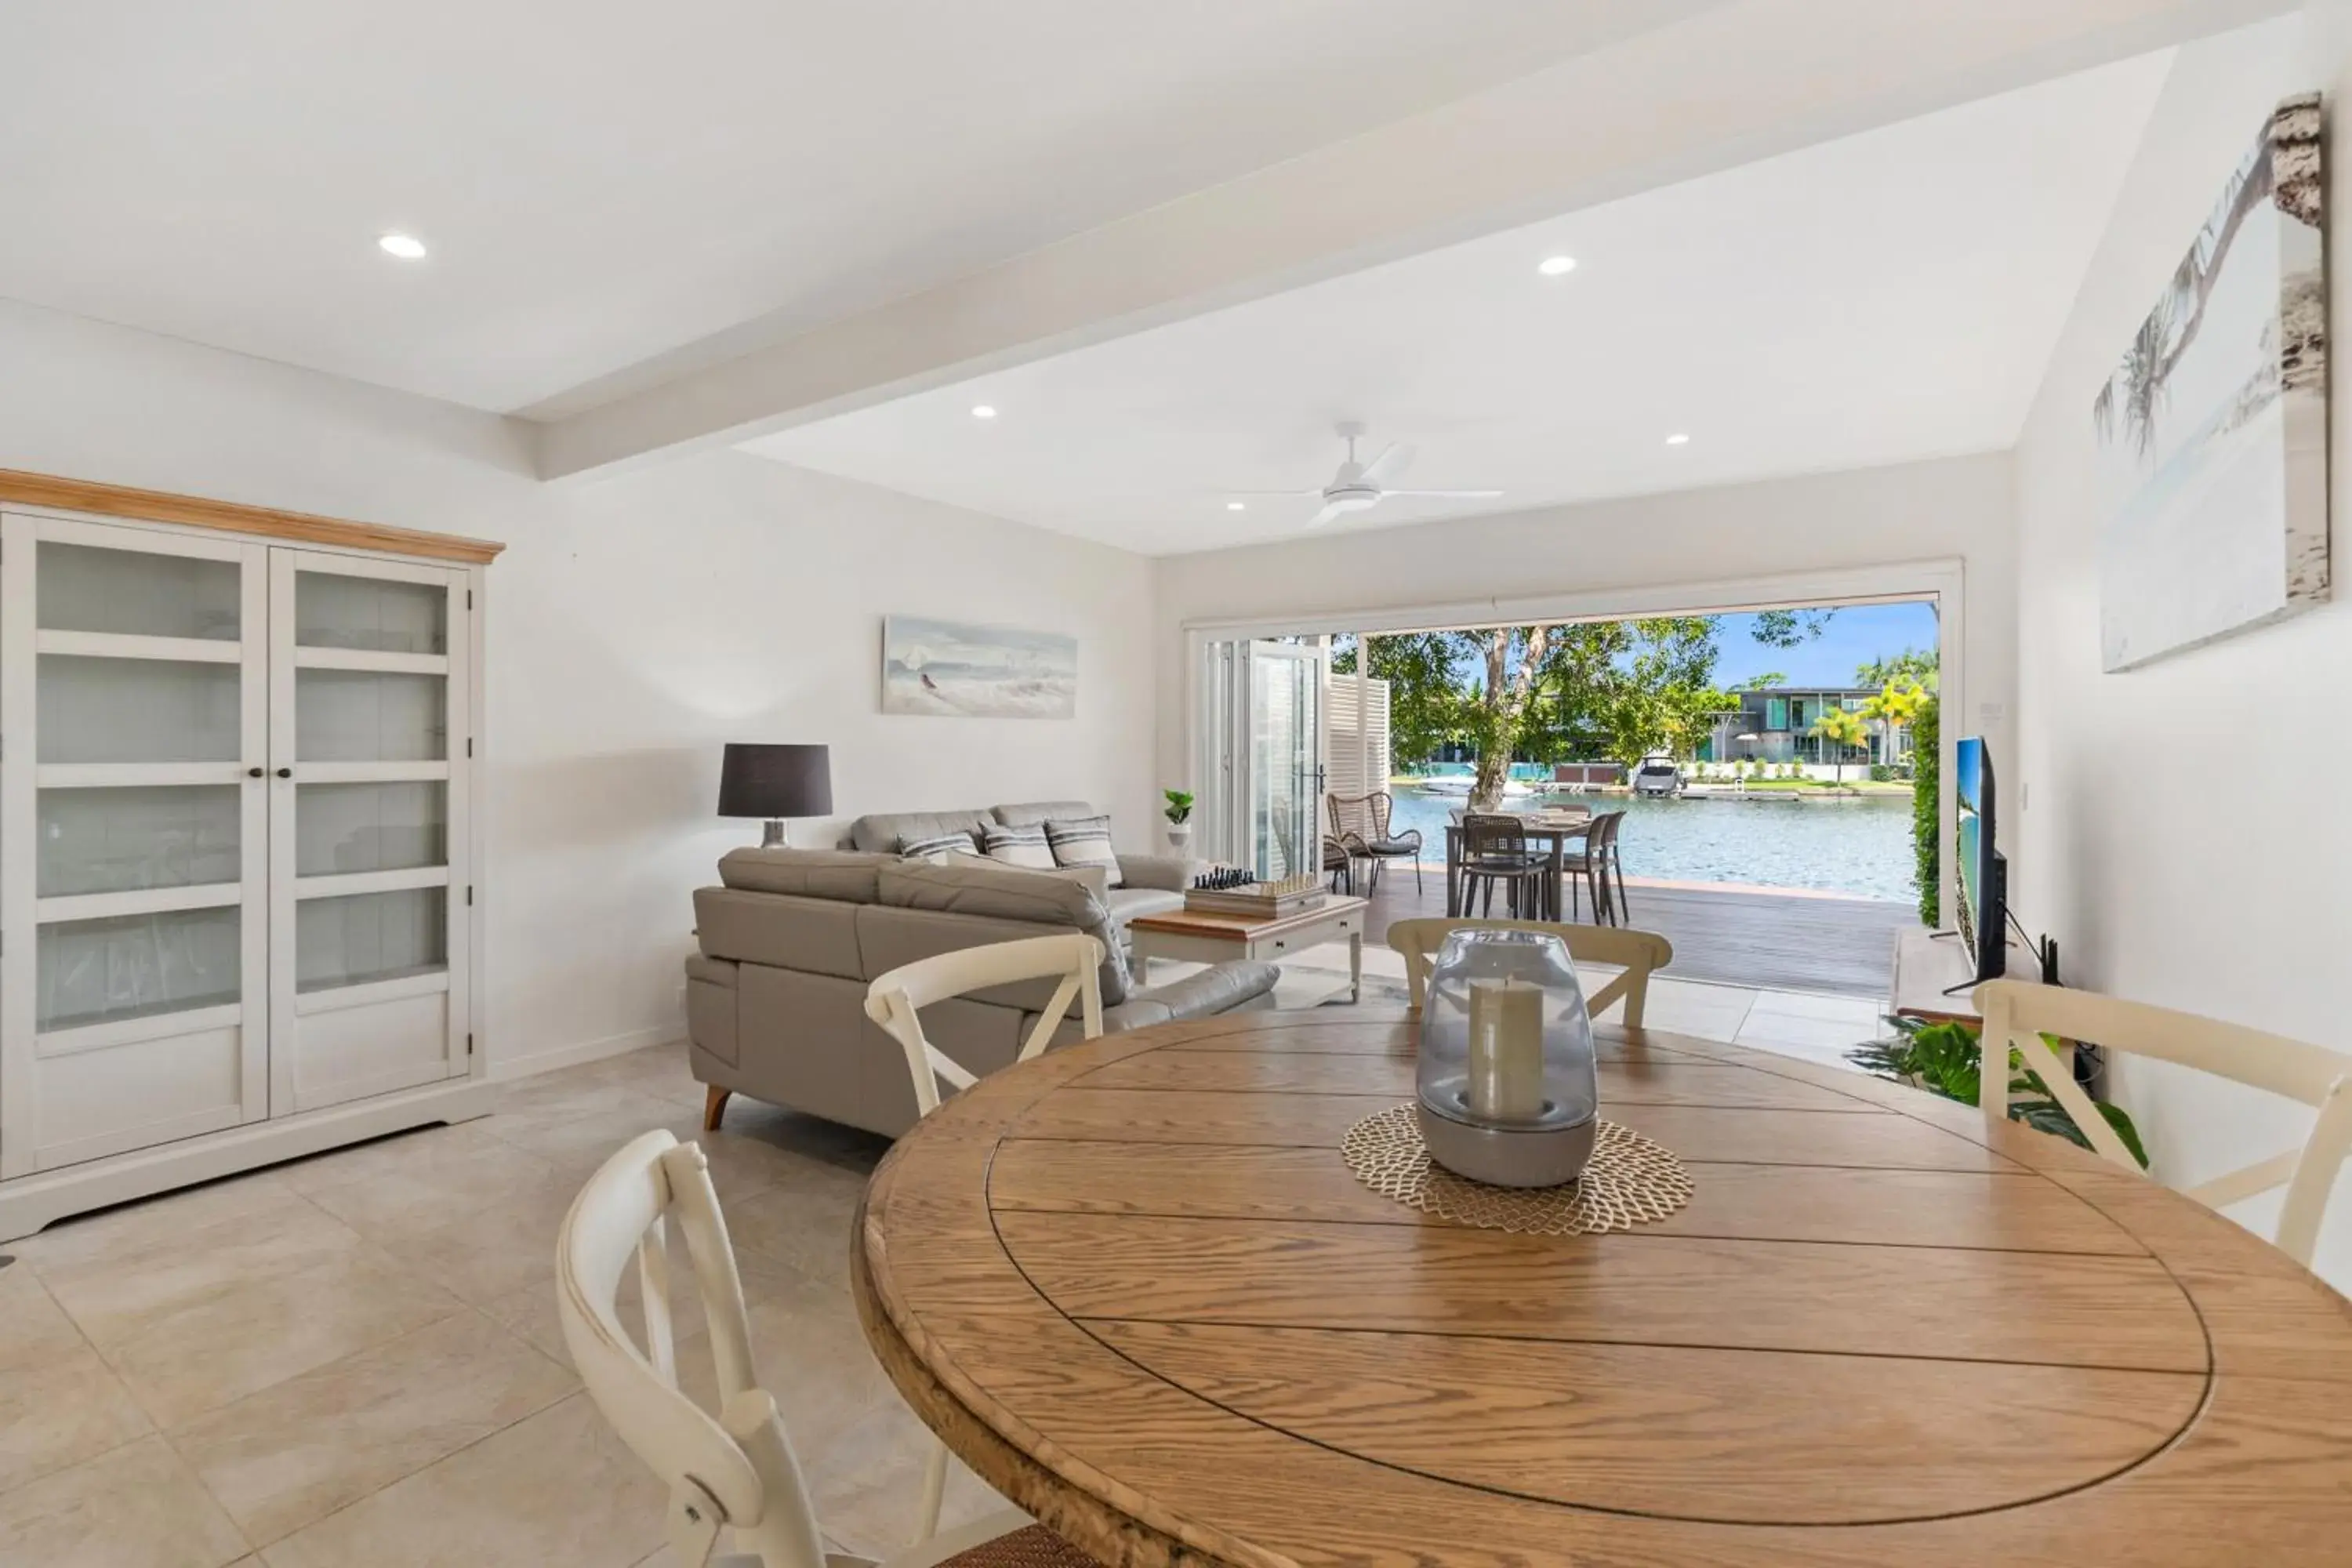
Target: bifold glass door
{"points": [[133, 978], [232, 834], [368, 693], [1258, 769], [1286, 752]]}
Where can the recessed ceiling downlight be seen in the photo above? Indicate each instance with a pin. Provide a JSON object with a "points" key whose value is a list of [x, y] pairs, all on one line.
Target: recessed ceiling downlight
{"points": [[1236, 506], [1557, 265], [983, 411], [406, 246], [1678, 439]]}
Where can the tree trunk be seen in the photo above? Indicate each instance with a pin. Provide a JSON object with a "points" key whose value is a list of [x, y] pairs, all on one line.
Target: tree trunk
{"points": [[1506, 702]]}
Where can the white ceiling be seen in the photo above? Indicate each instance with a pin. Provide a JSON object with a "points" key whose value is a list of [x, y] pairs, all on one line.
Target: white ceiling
{"points": [[615, 191], [1892, 296]]}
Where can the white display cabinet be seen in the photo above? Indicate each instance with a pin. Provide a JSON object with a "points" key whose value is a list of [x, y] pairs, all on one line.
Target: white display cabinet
{"points": [[237, 907]]}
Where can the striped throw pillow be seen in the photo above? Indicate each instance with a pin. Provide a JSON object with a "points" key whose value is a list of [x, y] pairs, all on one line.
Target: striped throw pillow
{"points": [[936, 846], [1019, 847], [1084, 841]]}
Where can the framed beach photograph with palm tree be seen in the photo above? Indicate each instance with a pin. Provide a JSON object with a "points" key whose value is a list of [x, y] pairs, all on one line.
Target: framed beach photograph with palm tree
{"points": [[2212, 430]]}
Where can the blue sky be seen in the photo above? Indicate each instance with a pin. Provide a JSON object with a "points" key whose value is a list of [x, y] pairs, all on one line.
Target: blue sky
{"points": [[1855, 636]]}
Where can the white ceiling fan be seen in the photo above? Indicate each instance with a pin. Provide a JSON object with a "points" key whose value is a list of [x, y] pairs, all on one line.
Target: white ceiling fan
{"points": [[1358, 487]]}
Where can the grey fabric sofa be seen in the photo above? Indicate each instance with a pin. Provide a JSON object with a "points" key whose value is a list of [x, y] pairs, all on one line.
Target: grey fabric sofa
{"points": [[790, 939], [1148, 884]]}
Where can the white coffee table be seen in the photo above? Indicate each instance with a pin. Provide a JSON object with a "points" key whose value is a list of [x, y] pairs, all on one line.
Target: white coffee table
{"points": [[1186, 936]]}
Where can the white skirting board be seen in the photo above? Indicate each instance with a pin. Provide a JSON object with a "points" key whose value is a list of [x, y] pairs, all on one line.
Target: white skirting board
{"points": [[581, 1054], [29, 1203]]}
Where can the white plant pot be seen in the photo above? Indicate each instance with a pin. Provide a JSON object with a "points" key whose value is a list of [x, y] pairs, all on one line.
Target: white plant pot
{"points": [[1180, 839]]}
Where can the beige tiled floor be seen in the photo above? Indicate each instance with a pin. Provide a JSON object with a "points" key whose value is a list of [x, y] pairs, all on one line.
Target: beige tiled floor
{"points": [[353, 1361], [1817, 1027]]}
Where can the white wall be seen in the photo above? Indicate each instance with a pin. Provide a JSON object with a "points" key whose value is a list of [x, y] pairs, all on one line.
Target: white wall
{"points": [[2184, 831], [1814, 526], [634, 627]]}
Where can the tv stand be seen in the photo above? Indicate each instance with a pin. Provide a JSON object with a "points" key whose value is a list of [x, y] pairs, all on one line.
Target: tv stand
{"points": [[1933, 978]]}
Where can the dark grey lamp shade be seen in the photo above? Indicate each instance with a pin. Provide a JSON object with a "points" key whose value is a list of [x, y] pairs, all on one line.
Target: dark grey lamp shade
{"points": [[775, 782]]}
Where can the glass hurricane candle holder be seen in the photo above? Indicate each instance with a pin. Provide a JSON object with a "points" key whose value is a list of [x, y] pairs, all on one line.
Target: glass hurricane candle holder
{"points": [[1506, 1091]]}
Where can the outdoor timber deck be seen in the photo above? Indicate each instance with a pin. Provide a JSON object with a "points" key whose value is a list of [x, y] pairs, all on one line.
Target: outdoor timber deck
{"points": [[1791, 942]]}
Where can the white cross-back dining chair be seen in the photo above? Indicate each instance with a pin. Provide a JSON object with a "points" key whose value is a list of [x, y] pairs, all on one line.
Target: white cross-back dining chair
{"points": [[2020, 1013], [1638, 953], [896, 999], [735, 1470]]}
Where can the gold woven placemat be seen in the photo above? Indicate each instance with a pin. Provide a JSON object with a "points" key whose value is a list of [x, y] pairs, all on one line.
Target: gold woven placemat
{"points": [[1630, 1180]]}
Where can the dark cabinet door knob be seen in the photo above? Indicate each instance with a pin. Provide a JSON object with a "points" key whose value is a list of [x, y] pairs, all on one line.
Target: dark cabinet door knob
{"points": [[254, 773], [286, 773]]}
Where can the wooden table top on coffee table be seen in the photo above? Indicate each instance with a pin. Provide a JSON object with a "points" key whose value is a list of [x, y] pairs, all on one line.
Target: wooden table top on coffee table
{"points": [[1134, 1287]]}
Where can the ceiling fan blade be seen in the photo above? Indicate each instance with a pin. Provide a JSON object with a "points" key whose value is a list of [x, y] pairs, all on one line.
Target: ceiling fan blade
{"points": [[1390, 465], [1441, 495], [1326, 515], [1260, 495]]}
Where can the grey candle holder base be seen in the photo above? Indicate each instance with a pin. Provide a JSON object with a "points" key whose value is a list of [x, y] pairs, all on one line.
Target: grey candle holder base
{"points": [[1508, 1156]]}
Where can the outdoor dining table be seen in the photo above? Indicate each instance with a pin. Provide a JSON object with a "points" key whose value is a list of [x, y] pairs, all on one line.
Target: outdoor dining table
{"points": [[1554, 830], [1134, 1287]]}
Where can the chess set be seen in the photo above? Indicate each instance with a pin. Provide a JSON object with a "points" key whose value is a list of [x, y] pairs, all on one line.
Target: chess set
{"points": [[1228, 890]]}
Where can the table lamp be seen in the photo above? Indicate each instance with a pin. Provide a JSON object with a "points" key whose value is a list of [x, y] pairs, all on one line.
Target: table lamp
{"points": [[774, 782]]}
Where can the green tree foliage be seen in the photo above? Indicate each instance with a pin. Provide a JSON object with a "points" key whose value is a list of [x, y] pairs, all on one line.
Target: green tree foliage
{"points": [[1423, 696], [1790, 629], [1927, 817], [1912, 667], [1897, 704], [1838, 730], [1618, 690]]}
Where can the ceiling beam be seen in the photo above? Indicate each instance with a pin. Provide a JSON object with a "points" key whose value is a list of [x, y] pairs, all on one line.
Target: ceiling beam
{"points": [[1722, 84]]}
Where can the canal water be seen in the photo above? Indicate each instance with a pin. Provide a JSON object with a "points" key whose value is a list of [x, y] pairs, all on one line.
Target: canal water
{"points": [[1858, 846]]}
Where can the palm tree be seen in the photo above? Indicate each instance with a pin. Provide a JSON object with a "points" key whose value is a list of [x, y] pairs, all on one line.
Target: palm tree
{"points": [[1896, 706], [1839, 728]]}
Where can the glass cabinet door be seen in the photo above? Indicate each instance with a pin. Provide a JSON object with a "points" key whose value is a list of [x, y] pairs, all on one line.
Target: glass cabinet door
{"points": [[133, 688], [369, 692]]}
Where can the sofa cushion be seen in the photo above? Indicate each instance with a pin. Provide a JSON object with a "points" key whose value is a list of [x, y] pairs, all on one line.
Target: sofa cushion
{"points": [[1025, 847], [880, 833], [981, 887], [819, 935], [935, 844], [1220, 988], [808, 873], [1085, 841], [1129, 903], [1036, 813]]}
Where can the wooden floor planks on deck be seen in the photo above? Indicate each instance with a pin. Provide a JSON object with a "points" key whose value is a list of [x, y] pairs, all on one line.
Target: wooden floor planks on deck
{"points": [[1782, 941]]}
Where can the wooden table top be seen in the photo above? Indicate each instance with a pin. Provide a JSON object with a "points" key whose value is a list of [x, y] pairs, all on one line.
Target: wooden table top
{"points": [[1134, 1287], [1241, 927]]}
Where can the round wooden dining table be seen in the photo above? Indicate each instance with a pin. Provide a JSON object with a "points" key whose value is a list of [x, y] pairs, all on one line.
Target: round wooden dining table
{"points": [[1134, 1287]]}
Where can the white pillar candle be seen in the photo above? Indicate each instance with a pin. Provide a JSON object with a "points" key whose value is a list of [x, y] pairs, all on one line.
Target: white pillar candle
{"points": [[1505, 1050]]}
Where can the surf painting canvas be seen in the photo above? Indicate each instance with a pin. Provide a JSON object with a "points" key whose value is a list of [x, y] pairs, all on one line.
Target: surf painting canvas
{"points": [[2212, 430], [949, 669]]}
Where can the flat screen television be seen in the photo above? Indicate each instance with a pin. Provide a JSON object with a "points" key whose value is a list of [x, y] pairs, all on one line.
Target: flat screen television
{"points": [[1983, 875]]}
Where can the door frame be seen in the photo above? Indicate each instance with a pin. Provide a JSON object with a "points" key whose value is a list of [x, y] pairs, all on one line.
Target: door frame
{"points": [[1942, 581]]}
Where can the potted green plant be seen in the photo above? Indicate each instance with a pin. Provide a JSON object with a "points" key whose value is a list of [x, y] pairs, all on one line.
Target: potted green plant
{"points": [[1947, 1060], [1179, 812]]}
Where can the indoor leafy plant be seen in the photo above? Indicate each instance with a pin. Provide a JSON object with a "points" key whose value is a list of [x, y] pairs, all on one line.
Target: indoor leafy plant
{"points": [[1179, 812], [1945, 1059]]}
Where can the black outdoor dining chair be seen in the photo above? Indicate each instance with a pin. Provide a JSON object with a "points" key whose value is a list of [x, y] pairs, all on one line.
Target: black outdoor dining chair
{"points": [[1602, 871], [1494, 848]]}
